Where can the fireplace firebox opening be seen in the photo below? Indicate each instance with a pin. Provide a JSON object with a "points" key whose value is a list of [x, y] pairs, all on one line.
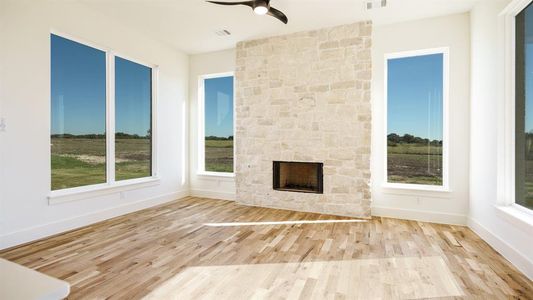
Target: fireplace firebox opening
{"points": [[303, 177]]}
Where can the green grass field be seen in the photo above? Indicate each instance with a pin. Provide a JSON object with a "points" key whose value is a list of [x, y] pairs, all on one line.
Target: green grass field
{"points": [[78, 161], [410, 163], [219, 155], [527, 201]]}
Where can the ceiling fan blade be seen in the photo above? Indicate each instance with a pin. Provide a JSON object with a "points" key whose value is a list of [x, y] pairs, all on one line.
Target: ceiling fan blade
{"points": [[247, 3], [278, 15]]}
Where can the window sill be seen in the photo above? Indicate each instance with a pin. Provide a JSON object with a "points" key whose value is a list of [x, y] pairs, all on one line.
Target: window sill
{"points": [[409, 189], [80, 193], [216, 174], [415, 187], [518, 216]]}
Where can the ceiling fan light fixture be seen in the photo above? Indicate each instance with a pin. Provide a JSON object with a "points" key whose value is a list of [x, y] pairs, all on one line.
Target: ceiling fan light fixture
{"points": [[260, 10], [261, 7]]}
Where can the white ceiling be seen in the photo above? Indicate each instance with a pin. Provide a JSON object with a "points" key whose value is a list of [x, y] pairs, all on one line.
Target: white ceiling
{"points": [[190, 25]]}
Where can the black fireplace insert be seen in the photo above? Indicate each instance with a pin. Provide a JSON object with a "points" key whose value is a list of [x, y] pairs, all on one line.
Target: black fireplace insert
{"points": [[303, 177]]}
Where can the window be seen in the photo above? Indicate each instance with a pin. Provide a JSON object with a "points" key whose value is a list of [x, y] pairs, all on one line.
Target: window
{"points": [[133, 120], [78, 137], [216, 128], [416, 102], [98, 137], [524, 108]]}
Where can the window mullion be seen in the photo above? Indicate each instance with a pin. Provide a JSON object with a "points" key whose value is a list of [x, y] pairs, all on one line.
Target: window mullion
{"points": [[110, 118], [201, 130], [153, 118]]}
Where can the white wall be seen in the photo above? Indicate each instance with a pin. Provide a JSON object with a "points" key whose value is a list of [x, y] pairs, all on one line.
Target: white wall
{"points": [[449, 31], [3, 147], [25, 104], [513, 242], [202, 64]]}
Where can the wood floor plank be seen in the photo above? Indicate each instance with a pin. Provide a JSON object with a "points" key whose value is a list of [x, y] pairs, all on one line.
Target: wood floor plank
{"points": [[196, 248]]}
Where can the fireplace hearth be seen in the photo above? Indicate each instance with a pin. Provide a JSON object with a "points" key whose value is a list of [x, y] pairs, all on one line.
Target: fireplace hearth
{"points": [[303, 177]]}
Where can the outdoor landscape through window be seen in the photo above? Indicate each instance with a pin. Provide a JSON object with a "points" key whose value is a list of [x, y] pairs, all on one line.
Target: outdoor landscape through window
{"points": [[78, 99], [78, 110], [415, 119], [218, 116]]}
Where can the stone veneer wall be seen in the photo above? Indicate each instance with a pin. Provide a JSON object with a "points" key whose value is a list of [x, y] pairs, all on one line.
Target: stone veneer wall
{"points": [[306, 97]]}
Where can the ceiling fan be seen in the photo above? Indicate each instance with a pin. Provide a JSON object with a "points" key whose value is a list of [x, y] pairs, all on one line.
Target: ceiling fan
{"points": [[260, 7]]}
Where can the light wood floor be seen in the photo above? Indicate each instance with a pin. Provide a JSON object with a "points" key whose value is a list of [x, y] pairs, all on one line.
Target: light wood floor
{"points": [[197, 248]]}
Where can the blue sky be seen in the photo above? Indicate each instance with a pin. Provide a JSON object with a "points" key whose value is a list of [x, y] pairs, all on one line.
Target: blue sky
{"points": [[529, 67], [132, 97], [78, 88], [414, 91], [219, 106], [78, 91]]}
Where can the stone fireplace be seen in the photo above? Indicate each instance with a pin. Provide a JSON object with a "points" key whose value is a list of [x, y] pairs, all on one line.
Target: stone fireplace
{"points": [[305, 97]]}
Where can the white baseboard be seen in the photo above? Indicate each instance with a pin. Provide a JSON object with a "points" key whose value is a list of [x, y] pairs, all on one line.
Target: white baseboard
{"points": [[34, 233], [519, 260], [213, 194], [419, 215]]}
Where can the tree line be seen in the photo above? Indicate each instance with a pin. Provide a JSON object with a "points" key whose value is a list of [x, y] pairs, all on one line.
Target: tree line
{"points": [[219, 138], [394, 139], [118, 135]]}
